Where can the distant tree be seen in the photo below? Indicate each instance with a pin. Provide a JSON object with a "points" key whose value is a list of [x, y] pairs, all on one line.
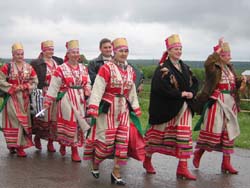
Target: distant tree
{"points": [[83, 60], [1, 62]]}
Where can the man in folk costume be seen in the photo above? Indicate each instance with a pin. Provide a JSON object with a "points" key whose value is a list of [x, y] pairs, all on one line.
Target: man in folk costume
{"points": [[112, 96], [17, 79], [72, 81], [45, 127], [173, 88], [220, 125]]}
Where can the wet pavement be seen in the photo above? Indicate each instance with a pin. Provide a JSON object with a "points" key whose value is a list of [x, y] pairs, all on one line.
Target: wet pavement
{"points": [[41, 169]]}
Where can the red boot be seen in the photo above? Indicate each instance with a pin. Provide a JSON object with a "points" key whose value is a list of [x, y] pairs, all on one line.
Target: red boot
{"points": [[50, 146], [21, 152], [37, 142], [75, 156], [197, 157], [226, 166], [62, 150], [183, 172], [148, 165]]}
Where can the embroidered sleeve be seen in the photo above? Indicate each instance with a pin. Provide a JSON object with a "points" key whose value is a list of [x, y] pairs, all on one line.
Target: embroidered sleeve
{"points": [[92, 110], [54, 87], [104, 72], [4, 84], [33, 81], [97, 91], [58, 72], [87, 84], [133, 100]]}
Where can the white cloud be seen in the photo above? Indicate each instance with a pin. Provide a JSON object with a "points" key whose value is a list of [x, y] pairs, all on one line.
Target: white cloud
{"points": [[145, 25]]}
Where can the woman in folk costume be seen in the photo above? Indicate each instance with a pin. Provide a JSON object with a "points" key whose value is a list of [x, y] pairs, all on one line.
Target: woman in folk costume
{"points": [[113, 95], [220, 126], [45, 66], [170, 115], [72, 81], [17, 79]]}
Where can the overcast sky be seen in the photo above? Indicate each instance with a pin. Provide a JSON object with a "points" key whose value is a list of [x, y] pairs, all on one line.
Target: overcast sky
{"points": [[145, 24]]}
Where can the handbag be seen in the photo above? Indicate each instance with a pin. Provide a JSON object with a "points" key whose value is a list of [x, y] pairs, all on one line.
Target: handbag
{"points": [[136, 144], [36, 101]]}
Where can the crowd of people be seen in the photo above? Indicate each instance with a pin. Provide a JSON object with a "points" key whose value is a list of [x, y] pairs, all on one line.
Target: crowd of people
{"points": [[90, 106]]}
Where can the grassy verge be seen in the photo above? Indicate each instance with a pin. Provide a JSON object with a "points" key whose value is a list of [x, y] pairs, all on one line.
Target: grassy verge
{"points": [[243, 141]]}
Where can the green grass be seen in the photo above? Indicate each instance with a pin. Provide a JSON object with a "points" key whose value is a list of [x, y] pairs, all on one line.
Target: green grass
{"points": [[243, 141]]}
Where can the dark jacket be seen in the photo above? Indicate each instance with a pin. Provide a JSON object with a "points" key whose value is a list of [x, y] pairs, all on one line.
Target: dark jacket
{"points": [[40, 67], [95, 64], [166, 88], [213, 72]]}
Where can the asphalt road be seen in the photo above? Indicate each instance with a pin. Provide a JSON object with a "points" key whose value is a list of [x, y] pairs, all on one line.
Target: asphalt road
{"points": [[41, 169]]}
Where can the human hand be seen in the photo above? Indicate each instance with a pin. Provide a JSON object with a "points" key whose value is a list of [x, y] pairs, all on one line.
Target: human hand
{"points": [[221, 41], [18, 88], [243, 84], [45, 106], [184, 94], [244, 78], [87, 92], [187, 94], [140, 88]]}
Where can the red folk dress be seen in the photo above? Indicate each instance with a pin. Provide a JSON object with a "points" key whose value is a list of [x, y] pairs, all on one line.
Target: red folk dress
{"points": [[114, 88], [220, 126], [45, 127], [16, 122], [72, 83]]}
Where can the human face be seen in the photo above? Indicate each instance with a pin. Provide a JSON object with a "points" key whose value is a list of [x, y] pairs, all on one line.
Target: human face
{"points": [[18, 56], [225, 58], [121, 55], [74, 56], [175, 53], [106, 49], [48, 52]]}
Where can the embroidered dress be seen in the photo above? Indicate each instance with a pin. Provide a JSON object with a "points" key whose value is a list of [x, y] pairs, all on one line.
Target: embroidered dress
{"points": [[70, 83], [170, 114], [45, 127], [16, 122], [221, 126], [173, 137], [115, 91]]}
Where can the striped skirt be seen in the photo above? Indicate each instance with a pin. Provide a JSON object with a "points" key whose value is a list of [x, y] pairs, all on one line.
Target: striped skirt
{"points": [[214, 134], [173, 137], [109, 135]]}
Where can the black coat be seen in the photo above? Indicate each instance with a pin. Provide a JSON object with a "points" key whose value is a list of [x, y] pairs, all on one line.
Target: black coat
{"points": [[94, 66], [166, 88], [40, 67]]}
